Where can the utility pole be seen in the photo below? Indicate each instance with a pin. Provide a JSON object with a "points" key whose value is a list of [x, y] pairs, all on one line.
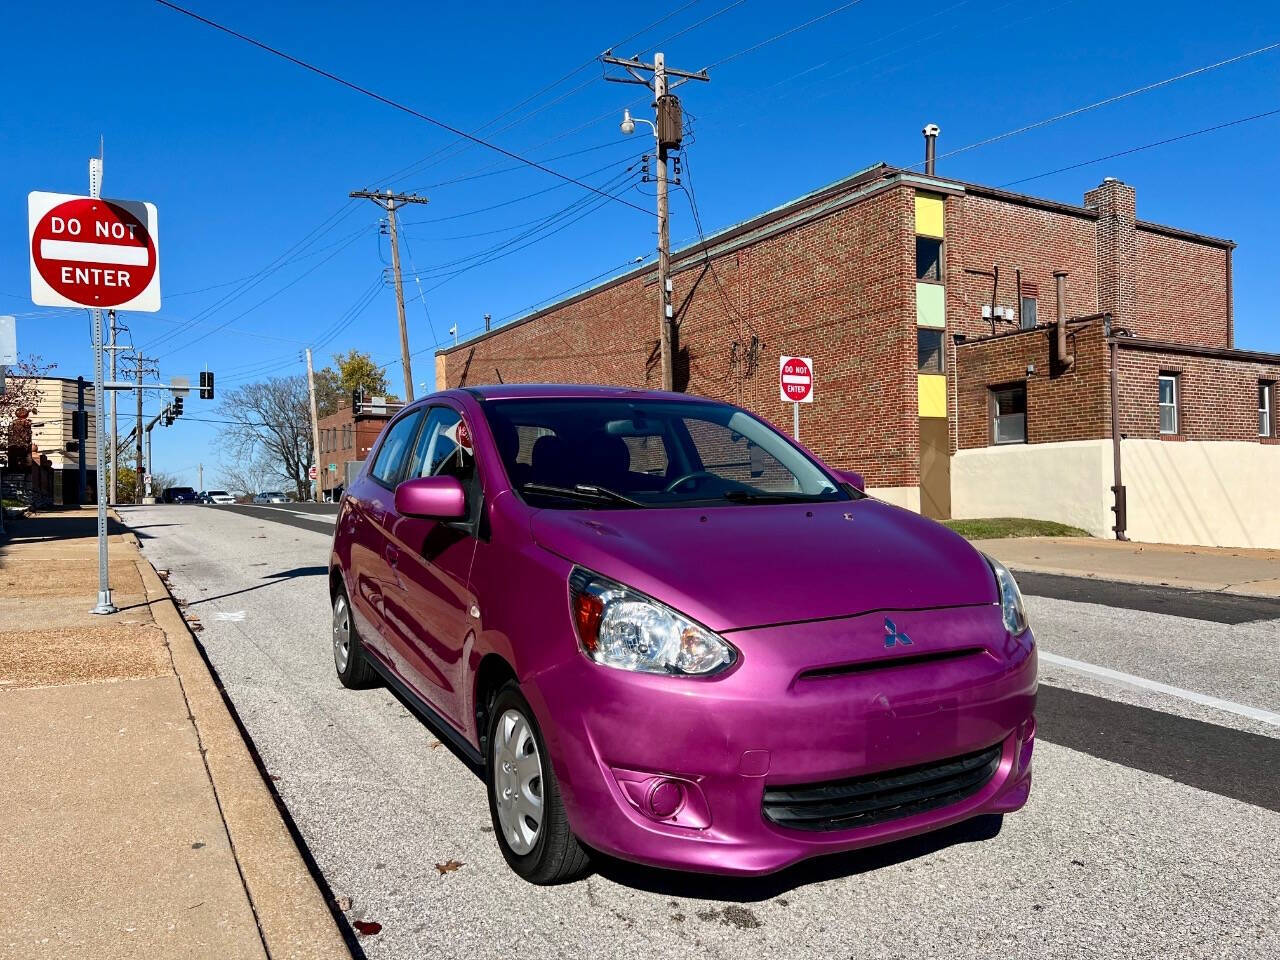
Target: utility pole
{"points": [[668, 130], [315, 418], [200, 476], [391, 202], [141, 366], [113, 347]]}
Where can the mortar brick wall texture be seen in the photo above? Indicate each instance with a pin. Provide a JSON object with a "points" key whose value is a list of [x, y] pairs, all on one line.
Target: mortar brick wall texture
{"points": [[1062, 404], [1217, 399], [840, 288]]}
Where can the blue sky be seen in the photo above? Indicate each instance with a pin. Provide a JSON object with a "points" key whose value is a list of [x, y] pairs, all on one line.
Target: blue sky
{"points": [[250, 159]]}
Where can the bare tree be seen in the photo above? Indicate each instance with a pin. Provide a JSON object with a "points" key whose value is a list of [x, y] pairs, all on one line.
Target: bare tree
{"points": [[250, 475], [271, 420], [20, 393]]}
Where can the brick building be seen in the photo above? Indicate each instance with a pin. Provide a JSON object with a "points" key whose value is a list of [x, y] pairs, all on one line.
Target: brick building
{"points": [[929, 307], [347, 435], [49, 430]]}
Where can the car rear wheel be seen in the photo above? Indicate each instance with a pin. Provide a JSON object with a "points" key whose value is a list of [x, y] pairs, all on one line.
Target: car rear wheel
{"points": [[349, 657], [524, 796]]}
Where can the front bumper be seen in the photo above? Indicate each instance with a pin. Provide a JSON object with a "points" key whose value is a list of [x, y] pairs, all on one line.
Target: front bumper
{"points": [[616, 738]]}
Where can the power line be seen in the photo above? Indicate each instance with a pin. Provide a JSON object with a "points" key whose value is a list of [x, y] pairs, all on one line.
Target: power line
{"points": [[785, 33], [1107, 101], [365, 91], [1146, 146]]}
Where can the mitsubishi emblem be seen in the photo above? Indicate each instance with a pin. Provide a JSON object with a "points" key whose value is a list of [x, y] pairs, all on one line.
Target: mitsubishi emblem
{"points": [[893, 635]]}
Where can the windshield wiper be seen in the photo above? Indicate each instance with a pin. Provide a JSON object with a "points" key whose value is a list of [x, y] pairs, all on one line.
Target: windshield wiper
{"points": [[584, 491], [762, 496]]}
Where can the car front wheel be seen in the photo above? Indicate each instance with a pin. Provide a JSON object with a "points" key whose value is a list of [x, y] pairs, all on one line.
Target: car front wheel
{"points": [[524, 796]]}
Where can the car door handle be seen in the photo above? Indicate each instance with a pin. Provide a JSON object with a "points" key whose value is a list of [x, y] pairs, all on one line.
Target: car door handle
{"points": [[392, 555]]}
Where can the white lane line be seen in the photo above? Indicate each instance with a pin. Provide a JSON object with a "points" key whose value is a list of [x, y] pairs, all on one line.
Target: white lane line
{"points": [[236, 616], [1228, 706]]}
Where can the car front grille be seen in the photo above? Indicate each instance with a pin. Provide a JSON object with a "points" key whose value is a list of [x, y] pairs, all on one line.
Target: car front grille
{"points": [[890, 795]]}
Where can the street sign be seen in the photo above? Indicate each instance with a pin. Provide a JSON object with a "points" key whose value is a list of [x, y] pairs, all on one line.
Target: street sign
{"points": [[311, 473], [795, 379], [88, 252]]}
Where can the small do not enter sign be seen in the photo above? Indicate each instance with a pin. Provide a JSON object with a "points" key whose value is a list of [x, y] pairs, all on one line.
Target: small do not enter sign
{"points": [[795, 379], [311, 473], [88, 252]]}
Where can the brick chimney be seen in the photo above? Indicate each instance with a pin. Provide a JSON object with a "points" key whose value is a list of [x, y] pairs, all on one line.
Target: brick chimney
{"points": [[1116, 203]]}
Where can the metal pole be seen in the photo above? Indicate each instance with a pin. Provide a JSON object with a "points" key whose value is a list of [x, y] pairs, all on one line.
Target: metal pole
{"points": [[795, 422], [200, 476], [82, 476], [664, 238], [404, 329], [137, 486], [315, 418], [104, 604], [111, 316]]}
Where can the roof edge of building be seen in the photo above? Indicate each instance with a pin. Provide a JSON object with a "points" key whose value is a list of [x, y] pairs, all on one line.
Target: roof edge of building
{"points": [[1195, 350]]}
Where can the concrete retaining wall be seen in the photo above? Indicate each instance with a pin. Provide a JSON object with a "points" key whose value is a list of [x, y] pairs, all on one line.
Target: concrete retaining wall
{"points": [[1066, 482], [1222, 493]]}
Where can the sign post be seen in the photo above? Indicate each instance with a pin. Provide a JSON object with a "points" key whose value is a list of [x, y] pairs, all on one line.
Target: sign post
{"points": [[795, 386], [94, 253]]}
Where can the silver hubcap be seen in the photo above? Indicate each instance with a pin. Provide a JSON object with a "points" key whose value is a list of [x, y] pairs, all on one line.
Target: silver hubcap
{"points": [[517, 781], [341, 634]]}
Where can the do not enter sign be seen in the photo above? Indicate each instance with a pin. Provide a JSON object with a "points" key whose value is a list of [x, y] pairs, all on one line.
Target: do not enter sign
{"points": [[795, 379], [87, 252]]}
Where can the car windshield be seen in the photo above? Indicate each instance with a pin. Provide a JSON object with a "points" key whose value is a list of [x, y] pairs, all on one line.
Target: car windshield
{"points": [[593, 453], [218, 493], [273, 493]]}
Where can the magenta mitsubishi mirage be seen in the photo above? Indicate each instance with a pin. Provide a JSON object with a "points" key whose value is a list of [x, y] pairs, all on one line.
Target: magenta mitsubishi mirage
{"points": [[669, 633]]}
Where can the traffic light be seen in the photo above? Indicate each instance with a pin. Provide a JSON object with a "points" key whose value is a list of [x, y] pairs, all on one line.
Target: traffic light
{"points": [[206, 384], [177, 406], [79, 425]]}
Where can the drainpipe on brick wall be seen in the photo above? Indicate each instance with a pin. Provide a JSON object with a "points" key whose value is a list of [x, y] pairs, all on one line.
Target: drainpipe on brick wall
{"points": [[1066, 360], [1120, 506]]}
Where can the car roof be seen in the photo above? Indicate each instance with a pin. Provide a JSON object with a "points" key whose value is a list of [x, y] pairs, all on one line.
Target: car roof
{"points": [[567, 391]]}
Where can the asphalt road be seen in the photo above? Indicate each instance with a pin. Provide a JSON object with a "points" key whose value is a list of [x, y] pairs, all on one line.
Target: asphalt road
{"points": [[1153, 827]]}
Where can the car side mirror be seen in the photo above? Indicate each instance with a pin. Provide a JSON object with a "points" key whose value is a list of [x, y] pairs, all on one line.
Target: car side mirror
{"points": [[435, 498], [852, 478]]}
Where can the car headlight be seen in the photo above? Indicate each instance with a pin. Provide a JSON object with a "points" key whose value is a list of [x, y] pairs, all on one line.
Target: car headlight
{"points": [[1012, 611], [622, 628]]}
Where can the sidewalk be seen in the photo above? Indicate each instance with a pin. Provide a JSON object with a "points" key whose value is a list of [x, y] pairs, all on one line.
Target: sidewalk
{"points": [[133, 821], [1227, 569]]}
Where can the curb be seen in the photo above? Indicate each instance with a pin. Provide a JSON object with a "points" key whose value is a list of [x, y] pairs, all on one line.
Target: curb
{"points": [[293, 917]]}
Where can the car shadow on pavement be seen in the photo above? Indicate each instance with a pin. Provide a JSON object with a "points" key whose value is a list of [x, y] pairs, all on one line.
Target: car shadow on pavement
{"points": [[819, 870]]}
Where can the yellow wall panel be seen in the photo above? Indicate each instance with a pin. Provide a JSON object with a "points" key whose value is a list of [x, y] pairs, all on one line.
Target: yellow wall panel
{"points": [[929, 215], [931, 305], [932, 389]]}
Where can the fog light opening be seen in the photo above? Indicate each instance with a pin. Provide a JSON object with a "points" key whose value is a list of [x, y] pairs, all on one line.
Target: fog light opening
{"points": [[666, 798]]}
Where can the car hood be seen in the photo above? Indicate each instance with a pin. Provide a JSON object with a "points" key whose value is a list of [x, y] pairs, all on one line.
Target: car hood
{"points": [[736, 567]]}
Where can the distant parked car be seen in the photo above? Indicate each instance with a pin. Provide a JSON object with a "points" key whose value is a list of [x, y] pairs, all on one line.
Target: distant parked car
{"points": [[270, 496], [216, 496], [179, 495]]}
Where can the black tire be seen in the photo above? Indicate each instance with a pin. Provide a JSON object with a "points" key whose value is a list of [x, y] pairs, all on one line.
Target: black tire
{"points": [[355, 673], [556, 856]]}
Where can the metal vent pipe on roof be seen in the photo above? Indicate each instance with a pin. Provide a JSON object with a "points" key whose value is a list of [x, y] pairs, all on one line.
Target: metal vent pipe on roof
{"points": [[930, 132], [1067, 360]]}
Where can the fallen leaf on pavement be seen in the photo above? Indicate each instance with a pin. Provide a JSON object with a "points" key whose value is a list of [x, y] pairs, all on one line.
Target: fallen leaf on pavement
{"points": [[367, 928], [449, 866]]}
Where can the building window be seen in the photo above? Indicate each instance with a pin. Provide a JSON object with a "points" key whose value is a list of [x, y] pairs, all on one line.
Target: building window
{"points": [[929, 350], [1029, 312], [1168, 403], [1265, 420], [1009, 414], [929, 259]]}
